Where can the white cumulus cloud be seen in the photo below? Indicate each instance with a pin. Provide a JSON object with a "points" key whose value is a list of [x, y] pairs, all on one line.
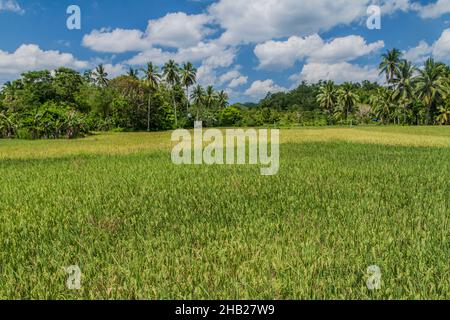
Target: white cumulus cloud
{"points": [[178, 30], [254, 21], [210, 53], [260, 89], [115, 41], [239, 81], [11, 5], [338, 72], [439, 50], [418, 54], [175, 30], [432, 10], [30, 57], [114, 70], [284, 54]]}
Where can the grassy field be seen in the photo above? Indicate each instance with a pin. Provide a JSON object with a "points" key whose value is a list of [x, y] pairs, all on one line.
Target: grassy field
{"points": [[140, 227]]}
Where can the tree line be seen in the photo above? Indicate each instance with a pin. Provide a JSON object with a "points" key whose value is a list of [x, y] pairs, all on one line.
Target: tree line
{"points": [[410, 96], [65, 103]]}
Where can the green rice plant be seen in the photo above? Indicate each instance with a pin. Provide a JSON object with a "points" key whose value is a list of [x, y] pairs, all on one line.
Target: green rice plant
{"points": [[140, 227]]}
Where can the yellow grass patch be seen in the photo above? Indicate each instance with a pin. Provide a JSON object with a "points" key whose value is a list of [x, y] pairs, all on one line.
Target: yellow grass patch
{"points": [[127, 143]]}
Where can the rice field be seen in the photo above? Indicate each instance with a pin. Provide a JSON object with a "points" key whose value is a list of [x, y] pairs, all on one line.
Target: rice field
{"points": [[140, 227]]}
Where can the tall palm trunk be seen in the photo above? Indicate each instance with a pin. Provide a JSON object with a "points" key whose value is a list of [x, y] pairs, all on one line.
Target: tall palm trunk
{"points": [[187, 99], [174, 108], [404, 115], [430, 105], [149, 110]]}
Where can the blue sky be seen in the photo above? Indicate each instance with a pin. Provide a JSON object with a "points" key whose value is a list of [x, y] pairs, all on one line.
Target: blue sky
{"points": [[247, 47]]}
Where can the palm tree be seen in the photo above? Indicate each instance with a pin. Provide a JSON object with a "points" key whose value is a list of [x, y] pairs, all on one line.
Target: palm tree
{"points": [[382, 105], [151, 79], [9, 91], [431, 85], [327, 97], [8, 126], [88, 76], [100, 76], [133, 73], [198, 97], [172, 76], [390, 64], [444, 115], [404, 86], [347, 99], [222, 99], [188, 78], [210, 97]]}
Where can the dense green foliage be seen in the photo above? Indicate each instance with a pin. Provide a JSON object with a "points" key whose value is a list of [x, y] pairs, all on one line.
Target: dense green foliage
{"points": [[63, 103], [413, 96], [140, 227]]}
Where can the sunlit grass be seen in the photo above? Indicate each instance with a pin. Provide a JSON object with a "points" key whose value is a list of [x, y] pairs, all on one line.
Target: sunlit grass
{"points": [[99, 144], [393, 136], [140, 227], [128, 143]]}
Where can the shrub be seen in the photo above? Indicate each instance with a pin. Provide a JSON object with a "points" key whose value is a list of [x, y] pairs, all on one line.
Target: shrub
{"points": [[52, 121], [8, 125], [230, 116]]}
